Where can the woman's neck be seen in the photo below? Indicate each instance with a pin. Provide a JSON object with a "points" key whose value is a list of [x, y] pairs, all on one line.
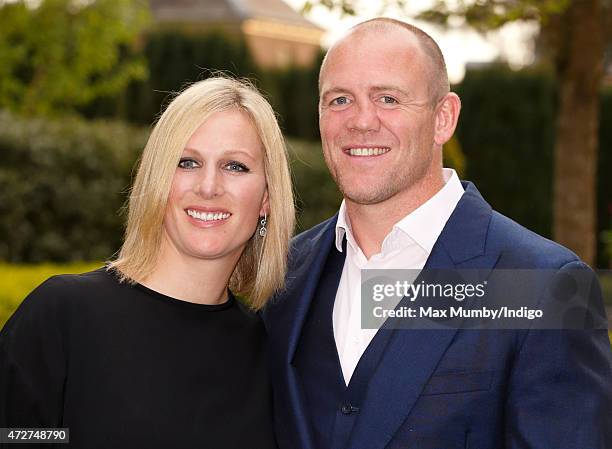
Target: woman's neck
{"points": [[202, 281]]}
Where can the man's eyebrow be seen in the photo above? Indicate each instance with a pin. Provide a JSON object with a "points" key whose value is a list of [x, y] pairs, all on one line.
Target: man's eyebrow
{"points": [[334, 90], [381, 88], [389, 88]]}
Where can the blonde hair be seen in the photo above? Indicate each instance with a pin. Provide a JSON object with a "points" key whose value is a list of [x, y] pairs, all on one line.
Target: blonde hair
{"points": [[261, 269]]}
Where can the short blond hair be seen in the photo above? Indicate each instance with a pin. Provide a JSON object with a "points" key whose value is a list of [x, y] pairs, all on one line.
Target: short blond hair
{"points": [[261, 268]]}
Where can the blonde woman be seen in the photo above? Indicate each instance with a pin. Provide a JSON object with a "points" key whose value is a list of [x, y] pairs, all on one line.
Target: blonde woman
{"points": [[154, 350]]}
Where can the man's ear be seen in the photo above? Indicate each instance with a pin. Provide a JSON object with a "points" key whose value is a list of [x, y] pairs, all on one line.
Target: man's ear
{"points": [[265, 204], [447, 114]]}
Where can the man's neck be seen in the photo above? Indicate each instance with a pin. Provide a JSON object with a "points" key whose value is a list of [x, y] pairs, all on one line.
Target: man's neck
{"points": [[371, 223]]}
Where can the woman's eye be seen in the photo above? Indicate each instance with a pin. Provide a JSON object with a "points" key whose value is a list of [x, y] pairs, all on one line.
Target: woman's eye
{"points": [[236, 166], [187, 163]]}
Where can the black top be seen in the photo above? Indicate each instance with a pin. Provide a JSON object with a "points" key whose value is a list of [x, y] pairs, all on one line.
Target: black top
{"points": [[123, 366]]}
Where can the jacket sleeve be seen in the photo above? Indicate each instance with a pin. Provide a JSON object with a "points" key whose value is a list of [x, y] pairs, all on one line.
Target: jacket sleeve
{"points": [[560, 390]]}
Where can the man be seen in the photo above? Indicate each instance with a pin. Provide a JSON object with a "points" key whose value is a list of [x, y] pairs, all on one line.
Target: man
{"points": [[385, 112]]}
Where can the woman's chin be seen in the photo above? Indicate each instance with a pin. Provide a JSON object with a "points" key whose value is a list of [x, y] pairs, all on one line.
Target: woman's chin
{"points": [[216, 252]]}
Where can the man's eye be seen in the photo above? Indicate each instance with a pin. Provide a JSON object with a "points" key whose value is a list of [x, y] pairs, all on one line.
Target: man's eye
{"points": [[387, 99], [187, 163], [236, 166], [340, 101]]}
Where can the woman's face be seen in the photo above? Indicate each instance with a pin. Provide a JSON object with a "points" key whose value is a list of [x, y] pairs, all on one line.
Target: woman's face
{"points": [[218, 191]]}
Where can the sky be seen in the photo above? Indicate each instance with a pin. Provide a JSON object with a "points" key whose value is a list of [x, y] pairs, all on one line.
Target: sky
{"points": [[513, 42]]}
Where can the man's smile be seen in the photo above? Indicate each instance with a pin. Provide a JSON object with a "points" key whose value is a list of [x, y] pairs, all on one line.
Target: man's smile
{"points": [[366, 151]]}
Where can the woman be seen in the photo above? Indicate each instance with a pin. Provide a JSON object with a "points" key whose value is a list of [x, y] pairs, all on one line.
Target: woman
{"points": [[154, 350]]}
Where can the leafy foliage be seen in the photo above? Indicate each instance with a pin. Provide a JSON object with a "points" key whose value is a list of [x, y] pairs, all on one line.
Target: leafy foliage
{"points": [[62, 54], [176, 59], [317, 197], [506, 130], [62, 184], [485, 15], [604, 181], [294, 94]]}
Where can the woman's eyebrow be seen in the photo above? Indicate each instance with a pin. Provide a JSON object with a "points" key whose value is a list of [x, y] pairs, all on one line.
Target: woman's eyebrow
{"points": [[240, 152], [228, 152], [188, 151]]}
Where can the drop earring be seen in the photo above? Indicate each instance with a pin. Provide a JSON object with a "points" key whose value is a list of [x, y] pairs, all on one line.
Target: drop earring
{"points": [[262, 228]]}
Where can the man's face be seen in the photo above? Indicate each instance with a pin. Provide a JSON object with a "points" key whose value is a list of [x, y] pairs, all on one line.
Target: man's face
{"points": [[377, 116]]}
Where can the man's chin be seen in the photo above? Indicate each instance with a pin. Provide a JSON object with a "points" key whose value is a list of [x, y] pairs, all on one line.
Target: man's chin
{"points": [[368, 197]]}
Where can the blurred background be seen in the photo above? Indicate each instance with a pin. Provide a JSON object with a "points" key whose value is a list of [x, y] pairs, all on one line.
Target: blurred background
{"points": [[81, 82]]}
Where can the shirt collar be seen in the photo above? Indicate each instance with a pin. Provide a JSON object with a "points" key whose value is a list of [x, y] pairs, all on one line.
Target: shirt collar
{"points": [[423, 225], [343, 227]]}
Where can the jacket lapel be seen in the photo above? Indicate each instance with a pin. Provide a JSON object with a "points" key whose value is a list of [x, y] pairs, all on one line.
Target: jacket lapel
{"points": [[289, 318], [302, 286], [411, 356]]}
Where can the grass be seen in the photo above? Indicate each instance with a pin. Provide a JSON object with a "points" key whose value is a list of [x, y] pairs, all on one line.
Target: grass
{"points": [[16, 281]]}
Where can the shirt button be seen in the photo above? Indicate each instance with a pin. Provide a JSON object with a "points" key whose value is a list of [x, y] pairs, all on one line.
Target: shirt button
{"points": [[347, 409]]}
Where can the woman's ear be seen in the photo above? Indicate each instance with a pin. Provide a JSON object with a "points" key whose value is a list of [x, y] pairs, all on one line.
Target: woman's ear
{"points": [[447, 114]]}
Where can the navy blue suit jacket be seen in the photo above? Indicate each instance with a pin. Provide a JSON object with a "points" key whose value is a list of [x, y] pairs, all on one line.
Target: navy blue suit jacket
{"points": [[445, 389]]}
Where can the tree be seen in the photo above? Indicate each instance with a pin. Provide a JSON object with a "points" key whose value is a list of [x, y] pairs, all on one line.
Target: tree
{"points": [[576, 33], [61, 54]]}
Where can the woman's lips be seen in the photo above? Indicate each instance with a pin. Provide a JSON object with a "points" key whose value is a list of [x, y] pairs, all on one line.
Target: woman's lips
{"points": [[208, 216]]}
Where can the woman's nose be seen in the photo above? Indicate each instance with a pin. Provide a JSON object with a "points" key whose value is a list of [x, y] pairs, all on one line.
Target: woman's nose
{"points": [[209, 184]]}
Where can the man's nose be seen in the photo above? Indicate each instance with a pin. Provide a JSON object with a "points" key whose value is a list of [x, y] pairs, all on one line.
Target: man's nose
{"points": [[210, 183], [365, 117]]}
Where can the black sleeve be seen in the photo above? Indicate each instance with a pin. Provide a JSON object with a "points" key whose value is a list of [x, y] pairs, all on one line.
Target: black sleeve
{"points": [[33, 359]]}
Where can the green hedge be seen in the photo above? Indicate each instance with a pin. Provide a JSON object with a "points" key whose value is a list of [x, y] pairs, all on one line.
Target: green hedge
{"points": [[604, 182], [294, 94], [506, 131], [317, 197], [177, 58], [62, 184]]}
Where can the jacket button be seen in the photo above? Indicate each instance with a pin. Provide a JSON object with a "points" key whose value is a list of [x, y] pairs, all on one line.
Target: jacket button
{"points": [[347, 409]]}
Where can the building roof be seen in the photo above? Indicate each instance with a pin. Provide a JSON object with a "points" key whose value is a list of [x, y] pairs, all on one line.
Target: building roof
{"points": [[227, 11]]}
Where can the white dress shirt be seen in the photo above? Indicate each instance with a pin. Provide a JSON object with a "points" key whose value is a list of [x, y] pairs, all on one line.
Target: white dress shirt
{"points": [[407, 246]]}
